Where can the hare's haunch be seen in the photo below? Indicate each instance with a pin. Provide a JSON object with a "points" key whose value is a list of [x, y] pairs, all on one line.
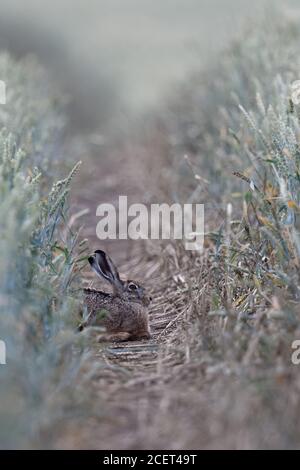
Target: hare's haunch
{"points": [[124, 313]]}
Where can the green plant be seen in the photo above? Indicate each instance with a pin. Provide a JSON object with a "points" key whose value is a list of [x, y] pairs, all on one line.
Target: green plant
{"points": [[237, 125], [41, 258]]}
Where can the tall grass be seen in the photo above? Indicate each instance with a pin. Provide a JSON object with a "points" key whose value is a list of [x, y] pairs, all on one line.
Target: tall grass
{"points": [[233, 135], [238, 128], [40, 259]]}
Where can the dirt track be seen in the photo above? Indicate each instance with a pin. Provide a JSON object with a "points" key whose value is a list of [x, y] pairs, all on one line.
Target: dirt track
{"points": [[136, 384], [131, 386]]}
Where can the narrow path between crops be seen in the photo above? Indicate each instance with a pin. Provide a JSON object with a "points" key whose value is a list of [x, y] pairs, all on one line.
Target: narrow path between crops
{"points": [[131, 381]]}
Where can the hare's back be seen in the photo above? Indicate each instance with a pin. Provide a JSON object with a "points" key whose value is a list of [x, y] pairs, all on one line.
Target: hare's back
{"points": [[116, 314], [104, 308]]}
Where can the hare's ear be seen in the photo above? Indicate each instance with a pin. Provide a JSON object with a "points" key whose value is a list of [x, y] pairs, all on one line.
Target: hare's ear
{"points": [[104, 267]]}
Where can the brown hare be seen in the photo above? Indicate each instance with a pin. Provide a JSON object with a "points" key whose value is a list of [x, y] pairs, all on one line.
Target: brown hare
{"points": [[123, 313]]}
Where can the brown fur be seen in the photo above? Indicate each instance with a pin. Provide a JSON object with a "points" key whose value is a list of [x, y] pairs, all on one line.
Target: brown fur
{"points": [[124, 313]]}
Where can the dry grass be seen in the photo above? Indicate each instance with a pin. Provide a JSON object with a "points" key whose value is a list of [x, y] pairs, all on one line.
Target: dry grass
{"points": [[204, 381], [217, 372]]}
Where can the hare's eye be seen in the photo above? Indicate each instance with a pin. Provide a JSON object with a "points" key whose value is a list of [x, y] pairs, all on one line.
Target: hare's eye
{"points": [[132, 286]]}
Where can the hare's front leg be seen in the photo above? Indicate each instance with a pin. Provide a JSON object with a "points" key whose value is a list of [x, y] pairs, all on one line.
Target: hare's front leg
{"points": [[115, 337], [140, 335]]}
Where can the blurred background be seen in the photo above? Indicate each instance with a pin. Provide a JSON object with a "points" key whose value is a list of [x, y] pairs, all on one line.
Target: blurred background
{"points": [[118, 61], [154, 90], [121, 56]]}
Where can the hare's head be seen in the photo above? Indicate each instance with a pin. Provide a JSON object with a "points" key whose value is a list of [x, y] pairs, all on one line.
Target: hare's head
{"points": [[128, 290]]}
